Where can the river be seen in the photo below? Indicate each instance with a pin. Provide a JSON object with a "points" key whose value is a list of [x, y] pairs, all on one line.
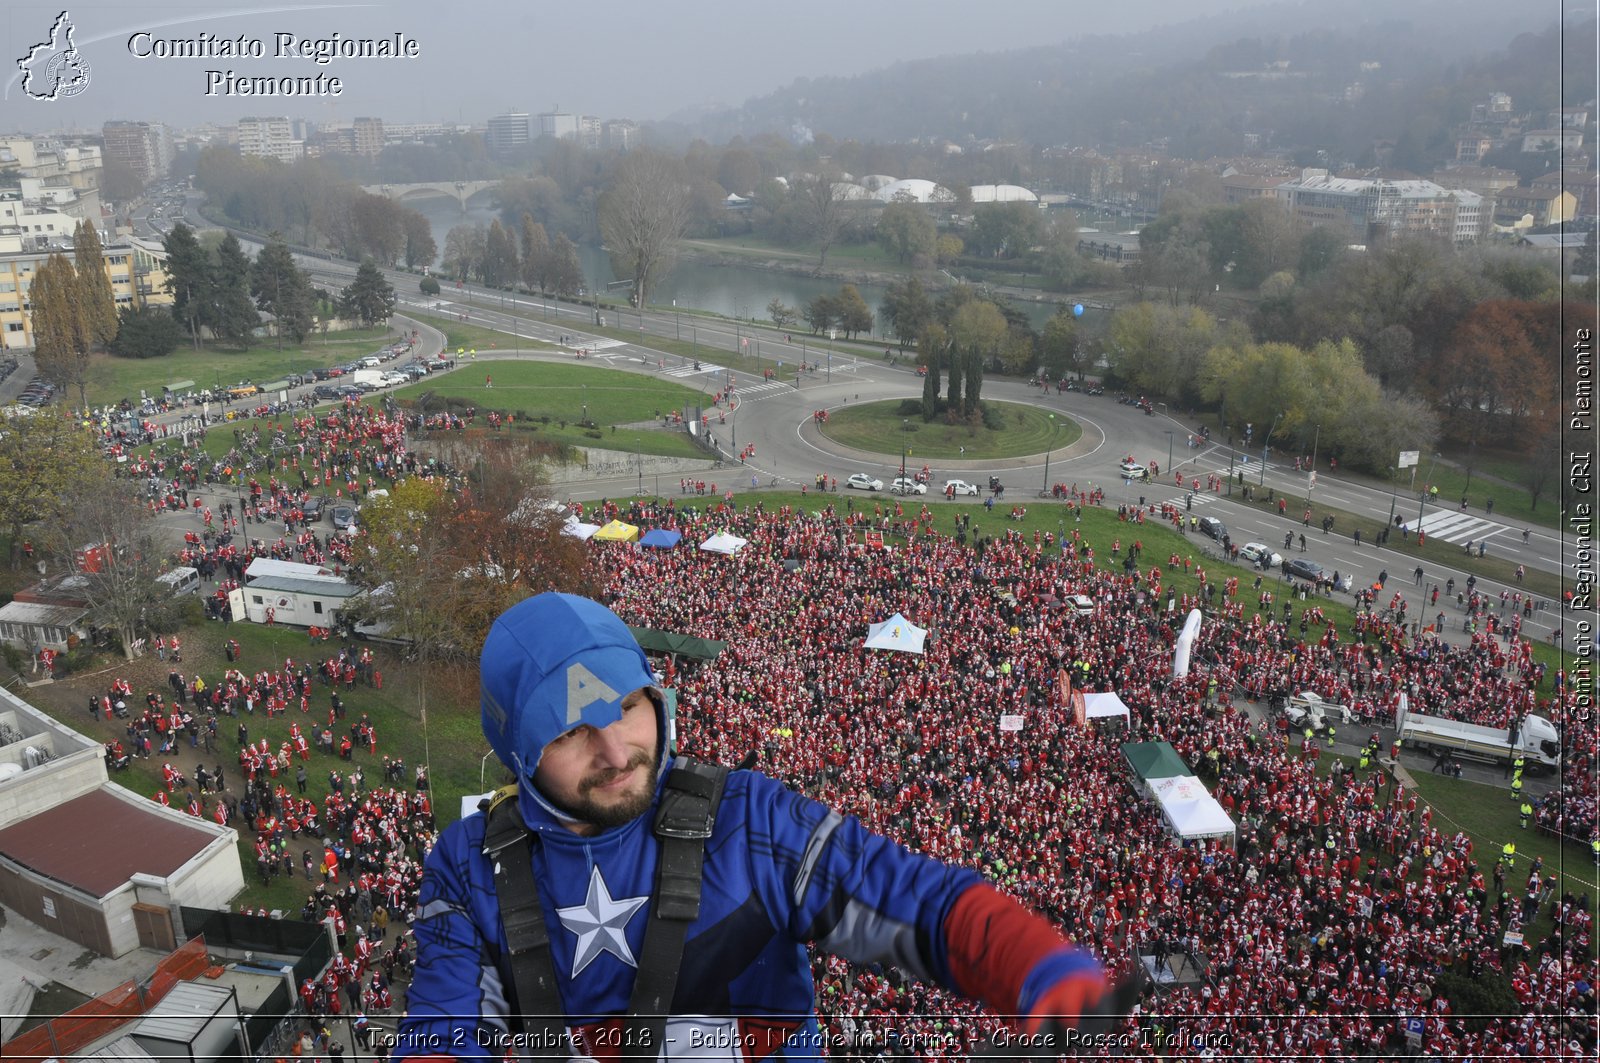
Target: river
{"points": [[728, 290]]}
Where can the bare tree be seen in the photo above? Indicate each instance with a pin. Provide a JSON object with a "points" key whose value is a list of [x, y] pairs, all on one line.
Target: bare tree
{"points": [[822, 208], [643, 214], [122, 594]]}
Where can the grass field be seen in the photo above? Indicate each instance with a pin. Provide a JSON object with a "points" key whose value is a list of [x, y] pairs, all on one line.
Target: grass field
{"points": [[881, 428], [113, 379]]}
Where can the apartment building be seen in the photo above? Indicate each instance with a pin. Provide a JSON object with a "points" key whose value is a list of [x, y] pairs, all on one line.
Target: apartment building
{"points": [[143, 147], [136, 269], [270, 138], [508, 132]]}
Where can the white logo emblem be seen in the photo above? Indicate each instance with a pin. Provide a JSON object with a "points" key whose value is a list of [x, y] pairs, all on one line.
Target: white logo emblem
{"points": [[600, 924], [55, 69], [584, 688]]}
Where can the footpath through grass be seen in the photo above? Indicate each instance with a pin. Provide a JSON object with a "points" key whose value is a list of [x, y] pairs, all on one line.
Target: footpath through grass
{"points": [[881, 428]]}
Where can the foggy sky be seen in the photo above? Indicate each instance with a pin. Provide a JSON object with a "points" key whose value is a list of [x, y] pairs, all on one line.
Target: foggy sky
{"points": [[615, 58]]}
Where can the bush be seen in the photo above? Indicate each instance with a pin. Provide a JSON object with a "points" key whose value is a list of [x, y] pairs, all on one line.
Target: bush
{"points": [[1479, 999], [429, 286], [993, 419], [910, 408]]}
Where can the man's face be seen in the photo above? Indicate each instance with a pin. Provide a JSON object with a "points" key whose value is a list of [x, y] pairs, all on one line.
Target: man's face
{"points": [[604, 777]]}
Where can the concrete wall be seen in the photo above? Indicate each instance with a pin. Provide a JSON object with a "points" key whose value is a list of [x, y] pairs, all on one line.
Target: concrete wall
{"points": [[599, 464]]}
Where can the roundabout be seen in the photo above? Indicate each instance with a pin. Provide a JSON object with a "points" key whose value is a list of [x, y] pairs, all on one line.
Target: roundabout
{"points": [[1018, 431]]}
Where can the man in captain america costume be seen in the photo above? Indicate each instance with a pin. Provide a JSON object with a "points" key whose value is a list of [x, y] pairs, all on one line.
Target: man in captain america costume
{"points": [[570, 706]]}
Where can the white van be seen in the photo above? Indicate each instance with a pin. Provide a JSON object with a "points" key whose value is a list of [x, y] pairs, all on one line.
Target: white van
{"points": [[183, 580]]}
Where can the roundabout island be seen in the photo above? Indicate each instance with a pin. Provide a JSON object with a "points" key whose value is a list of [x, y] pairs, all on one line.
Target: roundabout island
{"points": [[1007, 430]]}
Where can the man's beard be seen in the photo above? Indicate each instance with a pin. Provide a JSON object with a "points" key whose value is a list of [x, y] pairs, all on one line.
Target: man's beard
{"points": [[626, 807]]}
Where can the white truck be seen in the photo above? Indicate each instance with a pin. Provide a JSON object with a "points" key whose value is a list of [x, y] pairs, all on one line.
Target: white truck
{"points": [[1537, 740], [367, 379], [1308, 706]]}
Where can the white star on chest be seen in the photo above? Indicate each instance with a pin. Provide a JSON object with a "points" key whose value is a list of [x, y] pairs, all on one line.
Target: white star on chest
{"points": [[600, 924]]}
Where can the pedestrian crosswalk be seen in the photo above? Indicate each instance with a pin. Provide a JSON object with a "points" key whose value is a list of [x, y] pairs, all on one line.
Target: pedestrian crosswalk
{"points": [[1456, 527], [688, 370]]}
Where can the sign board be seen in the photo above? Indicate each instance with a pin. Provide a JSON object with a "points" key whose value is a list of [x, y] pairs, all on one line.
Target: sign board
{"points": [[1512, 940], [1414, 1027], [236, 605], [1408, 458], [1010, 722]]}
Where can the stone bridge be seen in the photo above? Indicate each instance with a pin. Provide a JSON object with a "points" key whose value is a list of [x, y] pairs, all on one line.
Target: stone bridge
{"points": [[460, 191]]}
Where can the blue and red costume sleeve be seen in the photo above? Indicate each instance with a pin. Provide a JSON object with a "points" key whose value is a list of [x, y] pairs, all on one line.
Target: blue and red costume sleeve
{"points": [[1016, 961]]}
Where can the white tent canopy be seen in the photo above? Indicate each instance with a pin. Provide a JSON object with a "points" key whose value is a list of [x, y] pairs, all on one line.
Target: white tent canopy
{"points": [[1100, 705], [578, 529], [896, 633], [724, 543], [1190, 809]]}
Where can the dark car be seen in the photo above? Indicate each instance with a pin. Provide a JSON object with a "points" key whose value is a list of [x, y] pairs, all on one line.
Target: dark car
{"points": [[321, 374], [1213, 527], [350, 391], [324, 391], [313, 507], [1304, 568]]}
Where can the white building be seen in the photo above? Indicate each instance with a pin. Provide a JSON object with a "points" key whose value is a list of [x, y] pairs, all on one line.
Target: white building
{"points": [[558, 124], [270, 138], [508, 132]]}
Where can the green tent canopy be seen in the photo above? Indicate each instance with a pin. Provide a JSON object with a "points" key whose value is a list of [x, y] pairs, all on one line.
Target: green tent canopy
{"points": [[676, 642], [1154, 760]]}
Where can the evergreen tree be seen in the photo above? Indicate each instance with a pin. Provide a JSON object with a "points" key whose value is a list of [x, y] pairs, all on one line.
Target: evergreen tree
{"points": [[369, 298], [99, 304], [974, 388], [146, 332], [231, 315], [283, 290], [535, 254], [60, 330], [189, 279], [930, 389], [499, 256], [958, 365], [566, 272]]}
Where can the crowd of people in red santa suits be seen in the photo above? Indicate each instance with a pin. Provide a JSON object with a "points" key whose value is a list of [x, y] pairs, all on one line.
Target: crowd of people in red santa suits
{"points": [[1334, 916]]}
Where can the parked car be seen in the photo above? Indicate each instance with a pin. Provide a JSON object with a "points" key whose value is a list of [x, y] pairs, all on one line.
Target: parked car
{"points": [[325, 392], [905, 485], [862, 482], [1132, 470], [395, 379], [1305, 568], [314, 506], [1214, 528], [344, 517], [960, 487], [1260, 554]]}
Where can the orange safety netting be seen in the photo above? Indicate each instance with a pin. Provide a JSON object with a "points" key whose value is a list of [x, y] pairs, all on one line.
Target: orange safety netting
{"points": [[88, 1022]]}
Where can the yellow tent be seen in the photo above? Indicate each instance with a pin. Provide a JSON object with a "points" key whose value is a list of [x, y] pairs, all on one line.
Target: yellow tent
{"points": [[617, 532]]}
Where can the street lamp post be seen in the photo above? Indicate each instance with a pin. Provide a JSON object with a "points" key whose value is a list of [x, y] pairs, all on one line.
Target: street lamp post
{"points": [[1169, 450], [905, 426], [639, 455], [830, 355], [1266, 448], [1423, 494], [1311, 477], [1044, 489]]}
